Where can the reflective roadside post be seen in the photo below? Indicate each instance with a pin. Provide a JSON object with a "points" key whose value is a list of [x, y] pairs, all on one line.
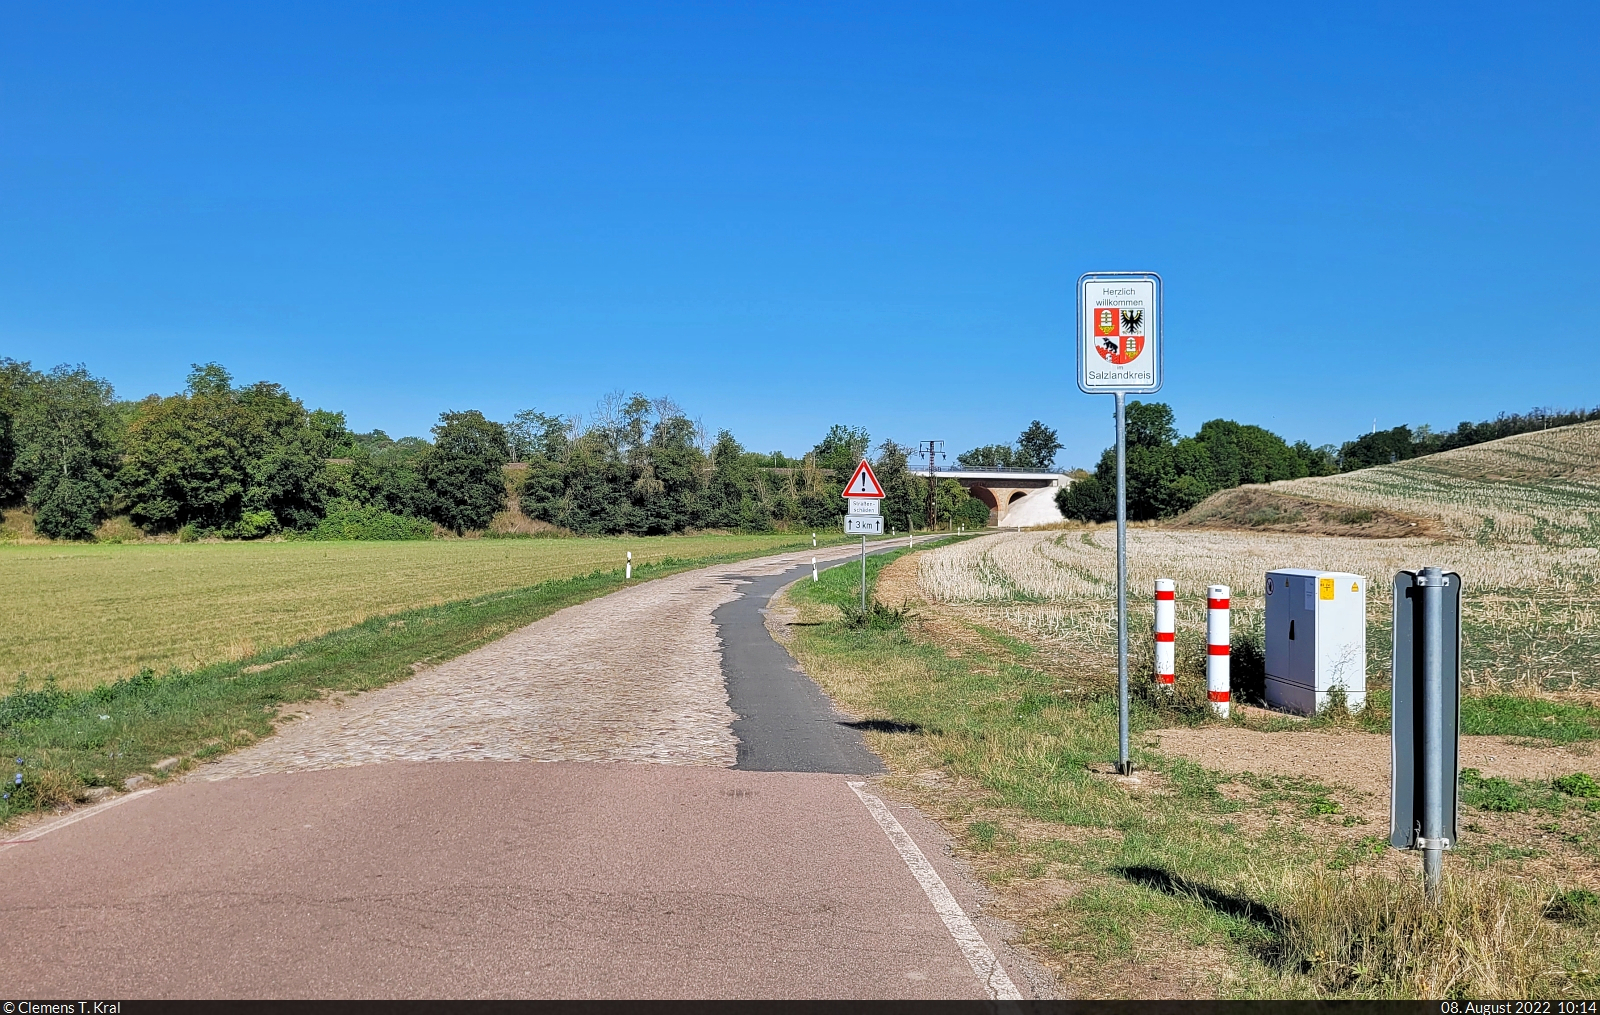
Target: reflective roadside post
{"points": [[1120, 353], [1425, 730]]}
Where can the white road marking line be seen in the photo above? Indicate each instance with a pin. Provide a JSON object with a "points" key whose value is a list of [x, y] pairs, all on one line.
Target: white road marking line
{"points": [[44, 830], [990, 973]]}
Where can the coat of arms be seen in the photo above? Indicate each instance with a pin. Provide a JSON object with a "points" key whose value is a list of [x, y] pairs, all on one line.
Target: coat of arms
{"points": [[1118, 334]]}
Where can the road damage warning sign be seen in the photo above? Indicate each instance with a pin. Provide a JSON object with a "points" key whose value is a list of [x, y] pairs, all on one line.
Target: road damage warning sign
{"points": [[1119, 332], [863, 483]]}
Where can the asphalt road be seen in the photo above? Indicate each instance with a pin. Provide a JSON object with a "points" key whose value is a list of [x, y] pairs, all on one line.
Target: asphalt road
{"points": [[481, 878], [786, 723]]}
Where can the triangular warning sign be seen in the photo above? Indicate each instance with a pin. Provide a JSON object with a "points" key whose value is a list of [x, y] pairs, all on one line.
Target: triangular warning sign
{"points": [[863, 483]]}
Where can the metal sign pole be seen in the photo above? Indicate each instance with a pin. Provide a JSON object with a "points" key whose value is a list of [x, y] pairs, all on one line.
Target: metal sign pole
{"points": [[863, 573], [1432, 582], [1425, 728], [1120, 351], [1124, 765]]}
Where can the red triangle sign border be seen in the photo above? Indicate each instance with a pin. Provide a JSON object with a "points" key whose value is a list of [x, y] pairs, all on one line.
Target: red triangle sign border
{"points": [[869, 485]]}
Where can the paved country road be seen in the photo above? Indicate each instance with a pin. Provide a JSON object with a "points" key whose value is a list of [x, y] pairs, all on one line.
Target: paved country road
{"points": [[702, 827]]}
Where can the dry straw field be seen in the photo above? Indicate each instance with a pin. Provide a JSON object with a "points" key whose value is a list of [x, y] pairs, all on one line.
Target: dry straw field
{"points": [[1518, 518], [89, 614], [1530, 613]]}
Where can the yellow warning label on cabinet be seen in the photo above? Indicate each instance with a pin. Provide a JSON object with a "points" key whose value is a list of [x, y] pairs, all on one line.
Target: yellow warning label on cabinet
{"points": [[1324, 588]]}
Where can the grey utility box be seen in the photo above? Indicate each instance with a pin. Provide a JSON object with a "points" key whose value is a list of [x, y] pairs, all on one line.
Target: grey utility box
{"points": [[1316, 639]]}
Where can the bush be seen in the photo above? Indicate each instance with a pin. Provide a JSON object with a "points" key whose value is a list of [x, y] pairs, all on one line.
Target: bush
{"points": [[253, 525], [22, 707], [70, 509], [876, 617], [1088, 500], [350, 522]]}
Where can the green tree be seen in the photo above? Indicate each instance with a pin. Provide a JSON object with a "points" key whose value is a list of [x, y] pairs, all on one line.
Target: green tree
{"points": [[990, 456], [1037, 447], [15, 381], [731, 499], [215, 454], [465, 470], [905, 496], [67, 436], [841, 450]]}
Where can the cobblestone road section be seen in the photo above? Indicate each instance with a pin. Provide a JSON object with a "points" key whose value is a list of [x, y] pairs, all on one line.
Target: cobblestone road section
{"points": [[633, 676]]}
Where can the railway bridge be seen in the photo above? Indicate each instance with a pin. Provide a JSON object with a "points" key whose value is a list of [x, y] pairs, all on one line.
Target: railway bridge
{"points": [[1018, 497]]}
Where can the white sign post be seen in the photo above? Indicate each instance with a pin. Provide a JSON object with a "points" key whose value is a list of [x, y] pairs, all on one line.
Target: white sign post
{"points": [[863, 493], [1119, 352]]}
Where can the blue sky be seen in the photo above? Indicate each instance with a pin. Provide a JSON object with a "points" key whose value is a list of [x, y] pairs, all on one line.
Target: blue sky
{"points": [[785, 216]]}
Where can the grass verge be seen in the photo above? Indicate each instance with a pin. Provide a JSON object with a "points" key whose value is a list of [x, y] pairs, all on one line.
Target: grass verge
{"points": [[68, 743], [1188, 883]]}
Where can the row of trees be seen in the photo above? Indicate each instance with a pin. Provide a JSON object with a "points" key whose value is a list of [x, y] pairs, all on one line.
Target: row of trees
{"points": [[236, 461], [1168, 474], [1382, 447], [641, 466], [247, 461]]}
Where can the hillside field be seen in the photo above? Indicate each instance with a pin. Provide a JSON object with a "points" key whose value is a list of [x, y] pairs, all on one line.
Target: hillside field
{"points": [[91, 614], [1540, 488]]}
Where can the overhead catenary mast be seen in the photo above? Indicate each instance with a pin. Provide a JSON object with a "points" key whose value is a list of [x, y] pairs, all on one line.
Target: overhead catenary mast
{"points": [[933, 450]]}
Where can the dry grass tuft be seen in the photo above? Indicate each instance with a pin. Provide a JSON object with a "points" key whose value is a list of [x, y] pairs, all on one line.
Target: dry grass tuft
{"points": [[1378, 935]]}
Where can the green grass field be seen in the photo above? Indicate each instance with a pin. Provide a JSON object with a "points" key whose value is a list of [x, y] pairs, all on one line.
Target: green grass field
{"points": [[91, 614]]}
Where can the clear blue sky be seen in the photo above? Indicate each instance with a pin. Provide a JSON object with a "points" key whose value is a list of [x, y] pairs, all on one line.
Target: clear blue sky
{"points": [[785, 216]]}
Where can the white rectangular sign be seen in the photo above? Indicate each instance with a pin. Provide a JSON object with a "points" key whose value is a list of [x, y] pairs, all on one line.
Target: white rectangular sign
{"points": [[863, 525], [1119, 332], [863, 505]]}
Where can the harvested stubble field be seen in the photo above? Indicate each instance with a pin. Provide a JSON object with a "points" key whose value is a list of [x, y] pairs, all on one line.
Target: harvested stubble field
{"points": [[1530, 613], [87, 615]]}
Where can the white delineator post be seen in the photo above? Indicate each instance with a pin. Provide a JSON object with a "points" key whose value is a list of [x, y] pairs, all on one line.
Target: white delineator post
{"points": [[813, 540], [1217, 648], [1166, 631], [629, 574], [813, 569]]}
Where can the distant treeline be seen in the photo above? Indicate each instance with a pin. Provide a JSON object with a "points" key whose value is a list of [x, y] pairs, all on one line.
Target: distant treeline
{"points": [[220, 459], [1169, 474], [1401, 443]]}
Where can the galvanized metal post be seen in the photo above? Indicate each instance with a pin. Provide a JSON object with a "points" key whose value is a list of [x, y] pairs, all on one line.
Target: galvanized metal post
{"points": [[1124, 764], [863, 572], [1431, 579]]}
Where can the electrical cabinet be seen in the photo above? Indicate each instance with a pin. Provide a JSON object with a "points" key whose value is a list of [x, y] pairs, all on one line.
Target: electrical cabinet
{"points": [[1316, 639]]}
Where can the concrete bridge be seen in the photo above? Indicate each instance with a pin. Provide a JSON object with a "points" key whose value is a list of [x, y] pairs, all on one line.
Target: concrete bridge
{"points": [[1022, 494]]}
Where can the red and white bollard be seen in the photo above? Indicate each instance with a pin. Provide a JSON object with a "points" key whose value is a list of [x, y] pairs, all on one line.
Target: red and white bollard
{"points": [[1217, 648], [1166, 631]]}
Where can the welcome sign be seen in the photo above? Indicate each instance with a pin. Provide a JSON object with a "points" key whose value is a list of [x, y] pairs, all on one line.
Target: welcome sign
{"points": [[1119, 332]]}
